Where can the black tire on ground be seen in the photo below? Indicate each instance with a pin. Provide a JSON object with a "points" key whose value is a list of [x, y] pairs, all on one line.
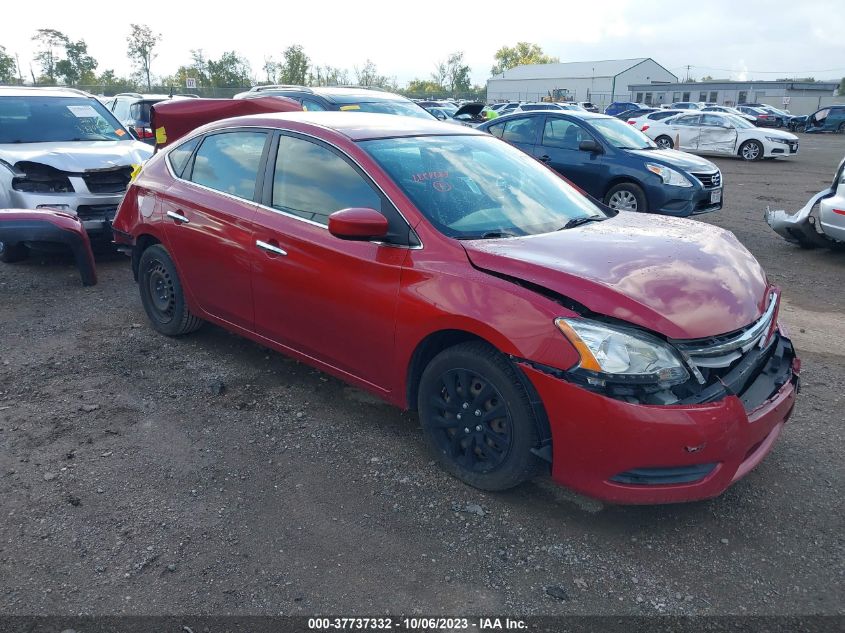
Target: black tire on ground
{"points": [[751, 150], [841, 129], [477, 419], [10, 253], [664, 142], [162, 295], [626, 196]]}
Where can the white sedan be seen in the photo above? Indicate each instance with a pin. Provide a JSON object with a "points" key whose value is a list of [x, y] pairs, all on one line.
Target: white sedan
{"points": [[724, 134]]}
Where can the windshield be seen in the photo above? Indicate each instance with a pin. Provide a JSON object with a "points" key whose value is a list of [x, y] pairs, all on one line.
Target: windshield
{"points": [[57, 119], [621, 135], [405, 108], [472, 187]]}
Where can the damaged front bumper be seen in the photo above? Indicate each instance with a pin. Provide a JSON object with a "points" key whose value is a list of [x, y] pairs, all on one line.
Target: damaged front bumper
{"points": [[799, 227], [95, 211], [631, 453]]}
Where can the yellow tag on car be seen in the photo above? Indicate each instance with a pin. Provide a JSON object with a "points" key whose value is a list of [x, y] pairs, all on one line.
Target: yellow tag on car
{"points": [[350, 107], [136, 169], [161, 136]]}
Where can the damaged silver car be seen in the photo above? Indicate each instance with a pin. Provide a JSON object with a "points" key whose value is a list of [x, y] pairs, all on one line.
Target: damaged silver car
{"points": [[820, 222], [61, 149]]}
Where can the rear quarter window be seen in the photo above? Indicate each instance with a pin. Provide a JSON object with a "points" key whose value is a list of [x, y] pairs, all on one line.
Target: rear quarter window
{"points": [[179, 156]]}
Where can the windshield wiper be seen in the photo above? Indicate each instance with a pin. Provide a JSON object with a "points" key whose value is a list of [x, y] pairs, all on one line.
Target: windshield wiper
{"points": [[489, 235], [579, 221]]}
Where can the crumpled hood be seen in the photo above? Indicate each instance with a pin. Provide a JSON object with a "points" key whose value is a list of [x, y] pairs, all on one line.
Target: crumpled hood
{"points": [[676, 158], [682, 278], [78, 156]]}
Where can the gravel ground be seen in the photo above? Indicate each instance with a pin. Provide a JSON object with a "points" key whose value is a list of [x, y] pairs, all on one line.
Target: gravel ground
{"points": [[140, 474]]}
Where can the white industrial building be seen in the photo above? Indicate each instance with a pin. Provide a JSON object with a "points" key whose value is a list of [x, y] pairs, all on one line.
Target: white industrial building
{"points": [[600, 82]]}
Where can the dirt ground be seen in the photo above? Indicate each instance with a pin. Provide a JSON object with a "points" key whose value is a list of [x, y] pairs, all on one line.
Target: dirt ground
{"points": [[140, 474]]}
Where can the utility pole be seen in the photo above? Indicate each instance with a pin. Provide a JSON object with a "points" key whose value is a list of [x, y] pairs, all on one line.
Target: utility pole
{"points": [[688, 67]]}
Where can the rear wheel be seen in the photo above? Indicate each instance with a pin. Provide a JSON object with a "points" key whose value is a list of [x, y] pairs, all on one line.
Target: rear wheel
{"points": [[664, 142], [626, 196], [751, 150], [10, 253], [841, 129], [162, 294], [477, 419]]}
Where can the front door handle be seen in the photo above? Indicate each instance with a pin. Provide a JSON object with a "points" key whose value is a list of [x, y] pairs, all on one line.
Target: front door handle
{"points": [[181, 219], [270, 248]]}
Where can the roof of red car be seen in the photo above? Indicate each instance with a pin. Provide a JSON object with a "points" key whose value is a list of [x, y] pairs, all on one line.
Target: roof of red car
{"points": [[357, 126]]}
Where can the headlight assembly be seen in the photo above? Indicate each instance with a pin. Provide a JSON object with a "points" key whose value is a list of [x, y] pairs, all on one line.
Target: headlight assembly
{"points": [[669, 176], [775, 139], [613, 354]]}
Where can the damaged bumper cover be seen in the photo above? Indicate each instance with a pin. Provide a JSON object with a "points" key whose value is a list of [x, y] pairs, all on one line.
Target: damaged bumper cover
{"points": [[28, 226], [799, 227], [632, 453]]}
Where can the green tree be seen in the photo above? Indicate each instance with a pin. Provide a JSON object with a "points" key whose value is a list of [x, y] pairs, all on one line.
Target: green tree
{"points": [[438, 77], [112, 84], [368, 75], [328, 76], [8, 67], [141, 44], [48, 40], [230, 71], [521, 54], [78, 66], [457, 74], [294, 68], [419, 87]]}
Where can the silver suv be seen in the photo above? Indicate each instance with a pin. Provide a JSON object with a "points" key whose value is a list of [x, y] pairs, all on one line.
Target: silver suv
{"points": [[60, 148]]}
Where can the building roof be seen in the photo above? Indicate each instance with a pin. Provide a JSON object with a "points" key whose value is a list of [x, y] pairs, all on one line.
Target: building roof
{"points": [[572, 70]]}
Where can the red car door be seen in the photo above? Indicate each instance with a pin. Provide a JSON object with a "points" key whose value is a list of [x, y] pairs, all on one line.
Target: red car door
{"points": [[208, 216], [331, 299]]}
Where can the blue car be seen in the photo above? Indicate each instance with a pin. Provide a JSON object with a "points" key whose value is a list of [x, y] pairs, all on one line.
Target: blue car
{"points": [[613, 162], [620, 106]]}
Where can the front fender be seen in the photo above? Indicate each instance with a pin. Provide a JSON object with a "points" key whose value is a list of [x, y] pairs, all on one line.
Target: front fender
{"points": [[45, 225]]}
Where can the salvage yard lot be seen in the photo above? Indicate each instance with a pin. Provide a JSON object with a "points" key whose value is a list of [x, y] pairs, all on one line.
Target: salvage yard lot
{"points": [[140, 474]]}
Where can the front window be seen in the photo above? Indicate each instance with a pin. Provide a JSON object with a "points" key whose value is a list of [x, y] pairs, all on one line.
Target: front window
{"points": [[404, 108], [740, 122], [563, 134], [473, 187], [621, 135], [57, 119]]}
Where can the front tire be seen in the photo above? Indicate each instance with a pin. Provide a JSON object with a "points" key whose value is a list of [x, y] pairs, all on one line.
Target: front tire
{"points": [[751, 150], [626, 196], [664, 142], [477, 419], [10, 253], [162, 295]]}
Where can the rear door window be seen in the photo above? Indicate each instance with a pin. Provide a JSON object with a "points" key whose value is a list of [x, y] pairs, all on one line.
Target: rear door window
{"points": [[563, 134], [229, 162]]}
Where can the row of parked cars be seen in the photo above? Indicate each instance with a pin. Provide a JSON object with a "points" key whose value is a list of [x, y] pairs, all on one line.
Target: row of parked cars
{"points": [[536, 323]]}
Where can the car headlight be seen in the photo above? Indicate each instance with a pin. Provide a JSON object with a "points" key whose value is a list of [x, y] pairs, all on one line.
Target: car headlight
{"points": [[617, 354], [775, 139], [669, 176]]}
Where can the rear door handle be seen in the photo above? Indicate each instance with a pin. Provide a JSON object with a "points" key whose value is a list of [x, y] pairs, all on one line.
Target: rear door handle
{"points": [[181, 219], [270, 248]]}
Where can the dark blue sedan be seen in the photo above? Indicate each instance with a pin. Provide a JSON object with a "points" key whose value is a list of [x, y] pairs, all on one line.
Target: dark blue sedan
{"points": [[614, 162]]}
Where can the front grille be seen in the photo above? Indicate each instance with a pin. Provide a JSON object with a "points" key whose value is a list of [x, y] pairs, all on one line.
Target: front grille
{"points": [[710, 181], [108, 180], [96, 211], [722, 351]]}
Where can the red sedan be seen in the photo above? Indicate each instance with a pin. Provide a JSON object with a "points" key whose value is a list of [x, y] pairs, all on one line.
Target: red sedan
{"points": [[639, 359]]}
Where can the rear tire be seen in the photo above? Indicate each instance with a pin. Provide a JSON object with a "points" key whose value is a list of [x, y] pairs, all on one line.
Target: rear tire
{"points": [[751, 150], [841, 129], [10, 253], [477, 419], [626, 196], [664, 142], [162, 295]]}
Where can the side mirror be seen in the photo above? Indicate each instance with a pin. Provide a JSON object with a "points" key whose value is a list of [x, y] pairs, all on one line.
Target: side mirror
{"points": [[358, 224], [590, 145]]}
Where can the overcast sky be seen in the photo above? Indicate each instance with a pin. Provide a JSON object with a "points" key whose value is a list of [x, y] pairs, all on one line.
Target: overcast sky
{"points": [[740, 40]]}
